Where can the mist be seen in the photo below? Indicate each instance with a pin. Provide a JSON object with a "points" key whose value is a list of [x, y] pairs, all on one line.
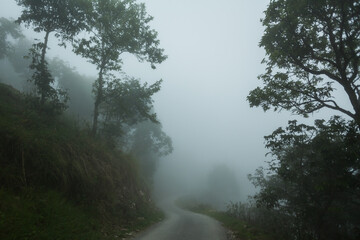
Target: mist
{"points": [[213, 62], [165, 119]]}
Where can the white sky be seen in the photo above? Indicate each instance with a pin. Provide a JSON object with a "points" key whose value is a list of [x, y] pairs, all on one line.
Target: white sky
{"points": [[213, 63]]}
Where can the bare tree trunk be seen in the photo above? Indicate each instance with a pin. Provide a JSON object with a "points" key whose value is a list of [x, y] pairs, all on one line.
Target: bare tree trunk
{"points": [[23, 167], [42, 66], [98, 100]]}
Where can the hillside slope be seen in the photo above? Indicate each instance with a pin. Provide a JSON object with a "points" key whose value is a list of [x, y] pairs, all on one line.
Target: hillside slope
{"points": [[56, 180]]}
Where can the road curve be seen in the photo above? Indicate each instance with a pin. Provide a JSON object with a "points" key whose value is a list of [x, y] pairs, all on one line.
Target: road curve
{"points": [[183, 225]]}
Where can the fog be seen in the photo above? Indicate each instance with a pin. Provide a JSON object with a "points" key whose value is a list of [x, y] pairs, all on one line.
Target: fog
{"points": [[213, 62]]}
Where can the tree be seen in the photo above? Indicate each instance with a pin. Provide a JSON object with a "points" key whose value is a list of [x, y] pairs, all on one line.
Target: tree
{"points": [[117, 27], [126, 102], [148, 143], [222, 187], [7, 28], [314, 179], [310, 47], [65, 18]]}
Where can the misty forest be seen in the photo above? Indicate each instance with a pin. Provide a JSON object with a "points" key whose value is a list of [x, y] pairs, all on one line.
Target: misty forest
{"points": [[169, 120]]}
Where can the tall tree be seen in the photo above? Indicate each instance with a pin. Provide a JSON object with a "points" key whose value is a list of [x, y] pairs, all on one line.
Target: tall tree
{"points": [[65, 18], [117, 27], [312, 47]]}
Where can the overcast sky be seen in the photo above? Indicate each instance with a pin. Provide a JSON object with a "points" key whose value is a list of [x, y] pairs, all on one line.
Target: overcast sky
{"points": [[213, 63]]}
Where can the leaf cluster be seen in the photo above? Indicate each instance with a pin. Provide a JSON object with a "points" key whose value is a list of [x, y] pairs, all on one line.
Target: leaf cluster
{"points": [[43, 80], [310, 45], [64, 17], [314, 178], [147, 142], [117, 27], [127, 102]]}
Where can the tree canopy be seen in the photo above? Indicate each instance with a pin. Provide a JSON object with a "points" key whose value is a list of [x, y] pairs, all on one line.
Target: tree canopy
{"points": [[126, 102], [65, 18], [148, 143], [314, 178], [117, 27], [312, 47]]}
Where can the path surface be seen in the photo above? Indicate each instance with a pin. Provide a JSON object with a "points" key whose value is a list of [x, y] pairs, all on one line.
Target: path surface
{"points": [[183, 225]]}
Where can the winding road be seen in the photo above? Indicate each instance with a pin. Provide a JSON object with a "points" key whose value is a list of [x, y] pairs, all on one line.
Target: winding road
{"points": [[183, 225]]}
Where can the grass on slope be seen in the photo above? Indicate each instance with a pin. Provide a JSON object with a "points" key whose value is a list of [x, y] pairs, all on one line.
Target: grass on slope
{"points": [[44, 215], [55, 178]]}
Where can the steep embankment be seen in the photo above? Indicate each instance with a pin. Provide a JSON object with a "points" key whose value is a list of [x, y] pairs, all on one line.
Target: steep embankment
{"points": [[58, 182]]}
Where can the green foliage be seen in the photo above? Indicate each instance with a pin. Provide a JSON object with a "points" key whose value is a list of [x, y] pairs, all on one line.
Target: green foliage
{"points": [[66, 19], [43, 80], [312, 186], [42, 215], [126, 102], [240, 229], [16, 72], [39, 151], [148, 143], [314, 179], [310, 46], [271, 223], [116, 27], [149, 137]]}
